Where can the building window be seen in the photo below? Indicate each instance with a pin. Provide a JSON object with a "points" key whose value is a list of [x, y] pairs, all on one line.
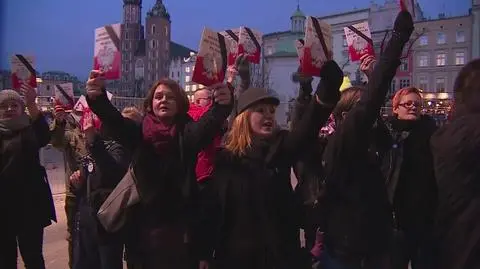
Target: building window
{"points": [[441, 59], [187, 78], [460, 36], [173, 74], [153, 44], [393, 86], [423, 83], [423, 40], [344, 38], [404, 83], [440, 84], [187, 69], [154, 29], [187, 88], [166, 30], [423, 60], [460, 58], [167, 44], [441, 38], [194, 88], [178, 74], [404, 65], [126, 35]]}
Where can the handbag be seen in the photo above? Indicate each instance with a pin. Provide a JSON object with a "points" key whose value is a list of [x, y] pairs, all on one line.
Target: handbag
{"points": [[113, 212]]}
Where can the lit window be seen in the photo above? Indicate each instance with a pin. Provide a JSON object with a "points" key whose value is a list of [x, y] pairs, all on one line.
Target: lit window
{"points": [[187, 88], [194, 88], [423, 40], [440, 84], [441, 59], [460, 58], [460, 36], [187, 78], [187, 69], [423, 60], [423, 83], [404, 83], [441, 38]]}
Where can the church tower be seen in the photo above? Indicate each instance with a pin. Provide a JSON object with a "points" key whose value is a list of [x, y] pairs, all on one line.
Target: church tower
{"points": [[298, 21], [157, 39], [132, 34]]}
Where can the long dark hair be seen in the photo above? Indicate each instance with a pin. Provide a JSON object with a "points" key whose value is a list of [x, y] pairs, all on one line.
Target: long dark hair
{"points": [[467, 88]]}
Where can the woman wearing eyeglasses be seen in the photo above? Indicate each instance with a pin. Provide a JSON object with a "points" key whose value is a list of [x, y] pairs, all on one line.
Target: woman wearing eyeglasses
{"points": [[411, 186]]}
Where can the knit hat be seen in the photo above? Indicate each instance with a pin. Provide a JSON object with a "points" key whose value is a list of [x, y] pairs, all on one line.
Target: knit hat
{"points": [[7, 95], [253, 96]]}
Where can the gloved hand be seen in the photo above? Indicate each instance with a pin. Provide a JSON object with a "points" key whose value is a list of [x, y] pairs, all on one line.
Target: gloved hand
{"points": [[404, 25], [328, 90], [305, 84]]}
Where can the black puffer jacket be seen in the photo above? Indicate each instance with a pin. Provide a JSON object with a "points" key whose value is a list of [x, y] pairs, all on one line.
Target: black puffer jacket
{"points": [[408, 169]]}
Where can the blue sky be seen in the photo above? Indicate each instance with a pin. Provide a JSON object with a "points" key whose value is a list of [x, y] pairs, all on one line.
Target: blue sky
{"points": [[60, 32]]}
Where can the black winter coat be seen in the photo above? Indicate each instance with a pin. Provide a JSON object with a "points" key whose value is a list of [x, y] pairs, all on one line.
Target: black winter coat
{"points": [[358, 219], [251, 216], [166, 184], [456, 152], [410, 179], [25, 197]]}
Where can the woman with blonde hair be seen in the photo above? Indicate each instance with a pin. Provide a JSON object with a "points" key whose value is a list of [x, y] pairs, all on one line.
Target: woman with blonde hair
{"points": [[251, 210]]}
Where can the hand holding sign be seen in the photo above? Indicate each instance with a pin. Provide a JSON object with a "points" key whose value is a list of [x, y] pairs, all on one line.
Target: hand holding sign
{"points": [[222, 94], [95, 84], [29, 93], [367, 63]]}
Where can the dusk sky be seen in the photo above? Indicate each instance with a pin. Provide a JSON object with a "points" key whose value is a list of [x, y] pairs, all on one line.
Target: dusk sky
{"points": [[60, 32]]}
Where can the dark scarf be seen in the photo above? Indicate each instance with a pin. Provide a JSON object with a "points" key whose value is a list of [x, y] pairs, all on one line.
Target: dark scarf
{"points": [[157, 133], [9, 126], [404, 125]]}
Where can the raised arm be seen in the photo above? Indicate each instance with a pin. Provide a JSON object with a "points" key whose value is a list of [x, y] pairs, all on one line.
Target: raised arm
{"points": [[201, 133], [42, 130], [361, 118], [304, 96], [242, 68], [123, 130], [316, 113]]}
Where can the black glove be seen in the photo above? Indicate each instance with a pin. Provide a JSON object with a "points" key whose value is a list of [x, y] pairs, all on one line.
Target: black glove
{"points": [[403, 25], [305, 84], [328, 90]]}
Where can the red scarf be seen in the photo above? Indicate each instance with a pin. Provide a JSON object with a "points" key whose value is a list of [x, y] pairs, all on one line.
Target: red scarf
{"points": [[157, 133]]}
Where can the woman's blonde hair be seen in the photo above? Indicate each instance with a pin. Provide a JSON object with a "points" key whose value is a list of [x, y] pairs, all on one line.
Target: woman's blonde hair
{"points": [[239, 138]]}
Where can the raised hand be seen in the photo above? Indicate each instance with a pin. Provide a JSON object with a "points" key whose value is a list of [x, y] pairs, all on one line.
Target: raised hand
{"points": [[243, 67], [222, 94], [95, 84], [29, 93], [367, 63], [59, 113], [328, 90]]}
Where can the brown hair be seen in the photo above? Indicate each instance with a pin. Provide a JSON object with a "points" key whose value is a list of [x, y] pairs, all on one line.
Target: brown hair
{"points": [[401, 93], [467, 85], [133, 113], [348, 98], [239, 138], [180, 96]]}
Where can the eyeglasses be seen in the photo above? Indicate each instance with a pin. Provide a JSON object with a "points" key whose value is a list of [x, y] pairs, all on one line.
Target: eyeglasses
{"points": [[410, 104]]}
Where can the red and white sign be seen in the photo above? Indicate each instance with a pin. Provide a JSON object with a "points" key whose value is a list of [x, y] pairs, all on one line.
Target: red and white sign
{"points": [[23, 71], [64, 95], [211, 63], [318, 46], [82, 104], [232, 50], [408, 5], [107, 55], [359, 40], [250, 44]]}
